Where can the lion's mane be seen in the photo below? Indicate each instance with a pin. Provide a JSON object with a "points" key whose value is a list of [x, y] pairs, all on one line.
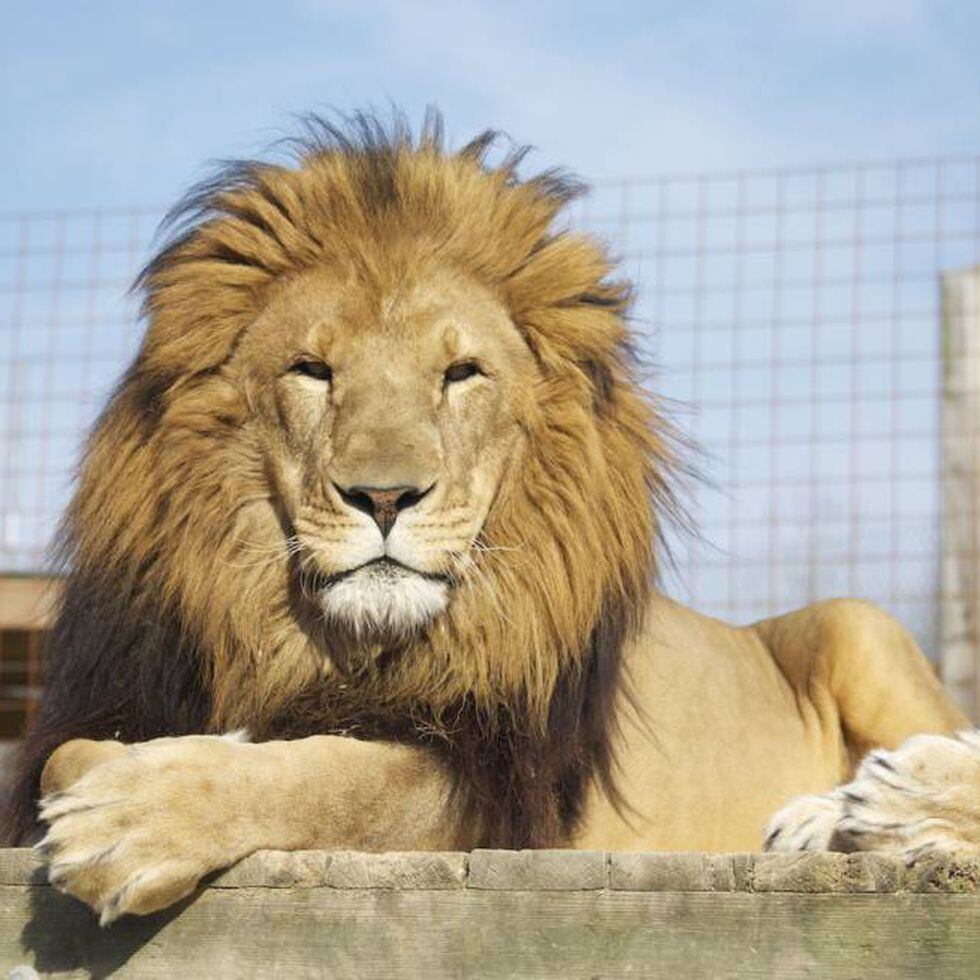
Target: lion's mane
{"points": [[162, 629]]}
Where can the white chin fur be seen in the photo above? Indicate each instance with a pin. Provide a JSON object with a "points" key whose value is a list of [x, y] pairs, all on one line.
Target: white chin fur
{"points": [[374, 601]]}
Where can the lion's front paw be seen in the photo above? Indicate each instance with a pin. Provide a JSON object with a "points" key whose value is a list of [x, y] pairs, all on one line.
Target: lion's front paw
{"points": [[806, 823], [136, 833], [922, 797]]}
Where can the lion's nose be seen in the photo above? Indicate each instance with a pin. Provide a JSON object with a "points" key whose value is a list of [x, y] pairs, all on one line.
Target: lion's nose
{"points": [[384, 504]]}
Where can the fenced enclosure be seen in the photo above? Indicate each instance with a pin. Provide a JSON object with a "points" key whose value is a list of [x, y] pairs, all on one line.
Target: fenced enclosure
{"points": [[791, 317]]}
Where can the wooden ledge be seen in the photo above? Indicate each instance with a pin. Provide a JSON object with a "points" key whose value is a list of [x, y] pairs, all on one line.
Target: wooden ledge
{"points": [[518, 913], [802, 873]]}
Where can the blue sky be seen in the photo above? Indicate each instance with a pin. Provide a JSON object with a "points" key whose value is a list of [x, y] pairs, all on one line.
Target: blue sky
{"points": [[121, 103]]}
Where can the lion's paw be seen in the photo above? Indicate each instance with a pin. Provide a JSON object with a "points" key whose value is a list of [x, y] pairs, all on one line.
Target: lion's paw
{"points": [[924, 796], [806, 823], [919, 798], [137, 833]]}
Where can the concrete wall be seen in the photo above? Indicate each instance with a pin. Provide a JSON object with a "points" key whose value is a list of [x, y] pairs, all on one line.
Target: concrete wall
{"points": [[519, 914]]}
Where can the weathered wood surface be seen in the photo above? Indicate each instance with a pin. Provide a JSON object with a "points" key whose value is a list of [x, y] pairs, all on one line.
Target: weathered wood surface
{"points": [[960, 586], [519, 914]]}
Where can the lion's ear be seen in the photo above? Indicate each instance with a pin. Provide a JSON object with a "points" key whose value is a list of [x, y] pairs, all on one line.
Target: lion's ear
{"points": [[199, 400], [152, 393]]}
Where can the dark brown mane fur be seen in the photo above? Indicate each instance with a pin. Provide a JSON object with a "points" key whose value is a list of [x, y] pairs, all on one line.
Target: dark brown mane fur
{"points": [[152, 639]]}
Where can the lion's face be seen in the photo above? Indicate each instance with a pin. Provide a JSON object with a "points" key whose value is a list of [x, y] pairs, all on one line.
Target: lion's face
{"points": [[387, 415], [383, 427]]}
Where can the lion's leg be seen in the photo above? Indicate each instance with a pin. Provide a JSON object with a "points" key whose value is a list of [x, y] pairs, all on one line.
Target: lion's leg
{"points": [[923, 796], [866, 669], [873, 678], [138, 830]]}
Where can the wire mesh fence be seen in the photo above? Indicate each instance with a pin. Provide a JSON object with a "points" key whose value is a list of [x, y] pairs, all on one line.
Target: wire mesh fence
{"points": [[67, 327], [793, 317]]}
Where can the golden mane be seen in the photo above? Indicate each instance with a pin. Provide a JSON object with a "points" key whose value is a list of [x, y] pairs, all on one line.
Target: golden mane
{"points": [[161, 631]]}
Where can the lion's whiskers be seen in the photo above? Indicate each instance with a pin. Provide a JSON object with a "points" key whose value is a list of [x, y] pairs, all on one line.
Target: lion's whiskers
{"points": [[307, 571], [267, 554], [476, 576]]}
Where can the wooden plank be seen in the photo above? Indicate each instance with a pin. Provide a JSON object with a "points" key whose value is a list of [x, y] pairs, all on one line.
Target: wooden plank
{"points": [[257, 932], [960, 585], [519, 915], [27, 602]]}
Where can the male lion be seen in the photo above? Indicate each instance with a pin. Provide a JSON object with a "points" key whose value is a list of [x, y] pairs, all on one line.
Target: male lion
{"points": [[380, 489]]}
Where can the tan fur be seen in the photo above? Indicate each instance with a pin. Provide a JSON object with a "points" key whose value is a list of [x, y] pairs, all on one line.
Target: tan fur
{"points": [[725, 726], [213, 484]]}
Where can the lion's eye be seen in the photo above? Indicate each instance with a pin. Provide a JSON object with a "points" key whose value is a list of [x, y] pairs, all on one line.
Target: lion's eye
{"points": [[313, 369], [460, 372]]}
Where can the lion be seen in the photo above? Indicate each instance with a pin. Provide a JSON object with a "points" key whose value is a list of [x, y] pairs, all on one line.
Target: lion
{"points": [[364, 550]]}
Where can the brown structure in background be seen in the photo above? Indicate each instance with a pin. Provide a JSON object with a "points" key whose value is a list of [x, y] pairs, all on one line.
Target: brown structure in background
{"points": [[25, 608], [793, 316]]}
